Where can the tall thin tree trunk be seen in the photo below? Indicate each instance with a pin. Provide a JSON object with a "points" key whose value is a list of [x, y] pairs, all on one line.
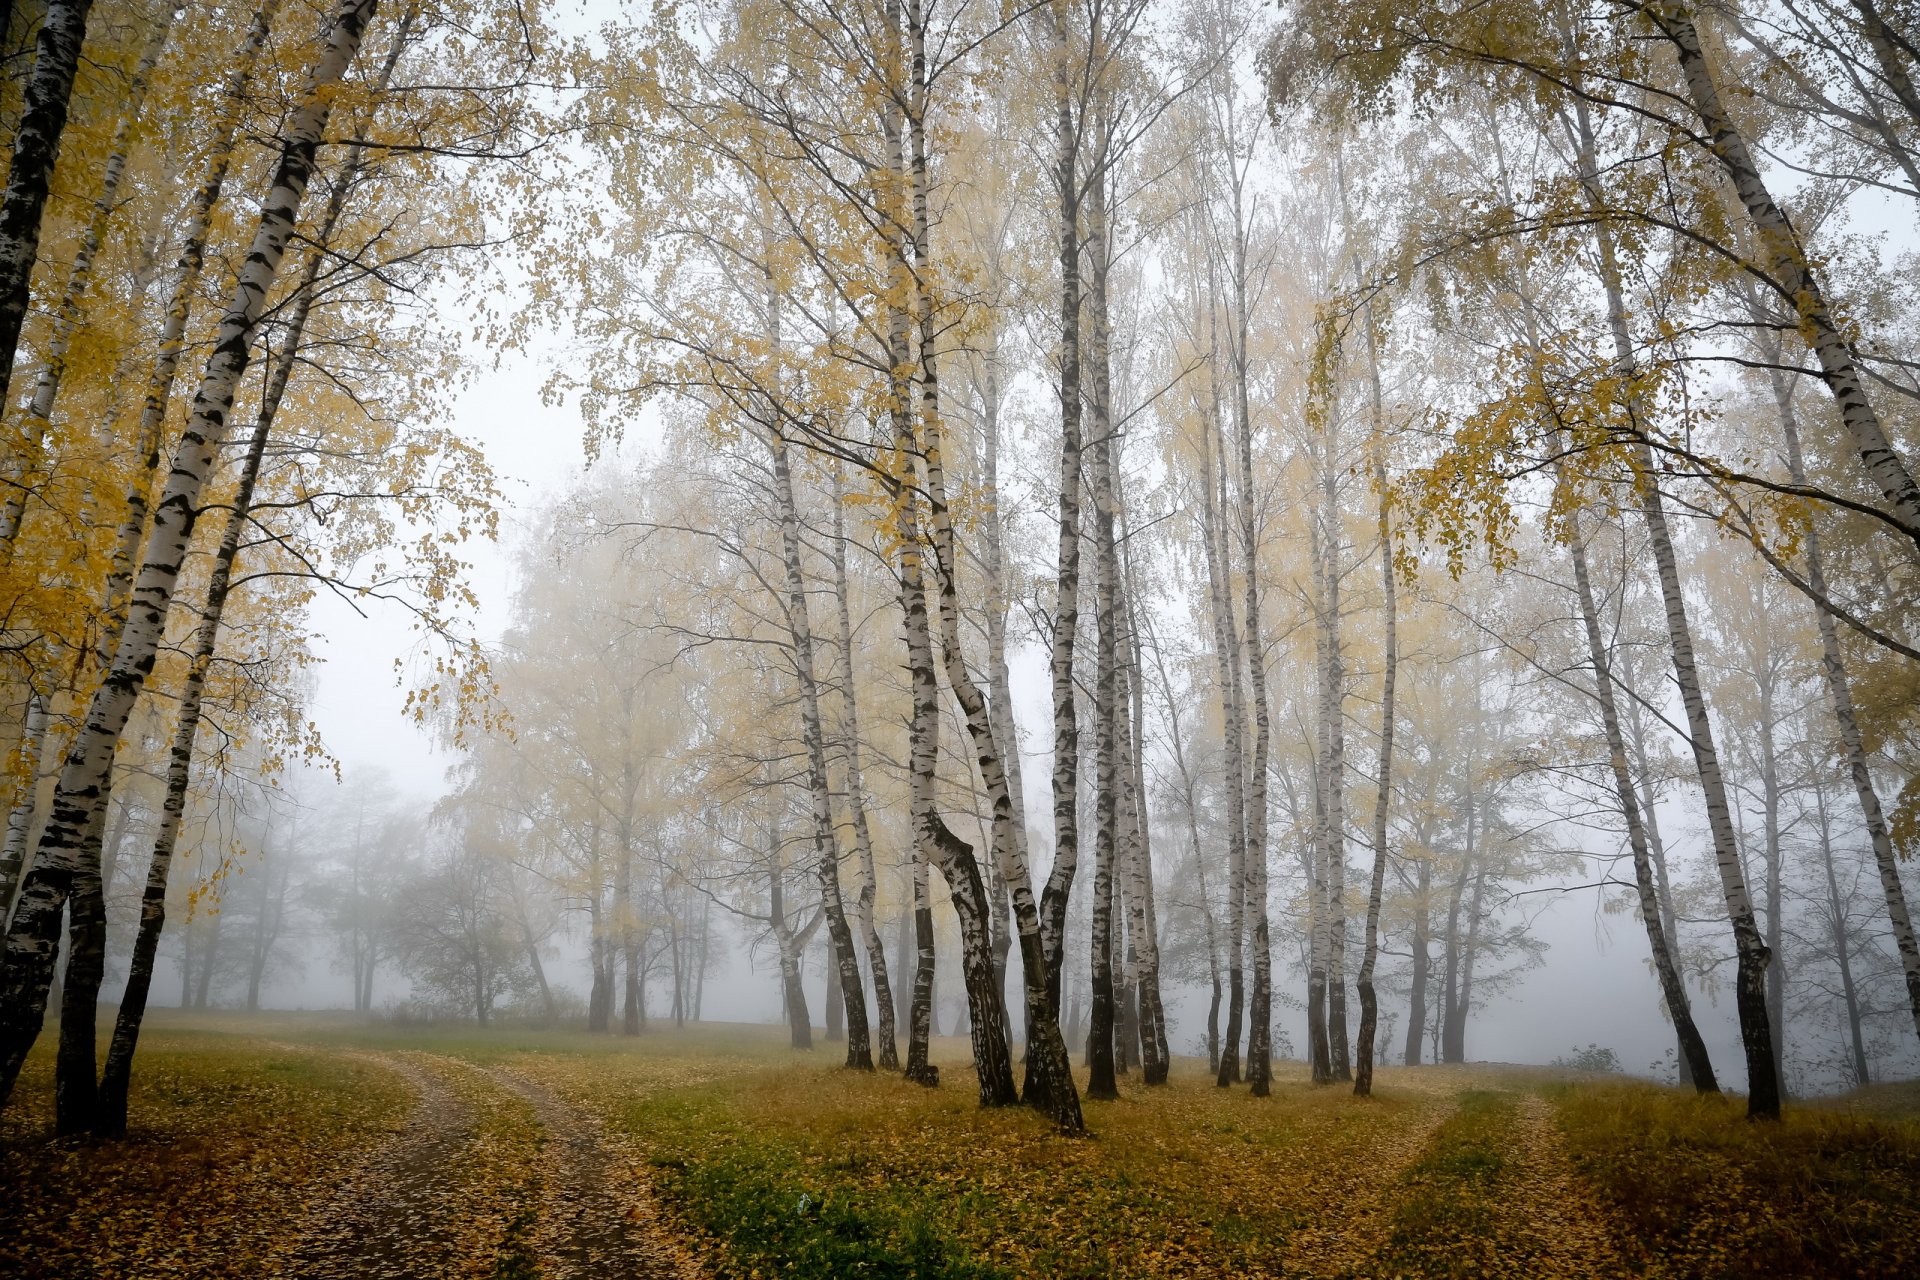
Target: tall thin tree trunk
{"points": [[1383, 773], [920, 1012], [1789, 269], [1049, 1078], [110, 1112], [1189, 791], [1339, 1048], [173, 332], [826, 842], [1422, 962], [1750, 949], [883, 1000], [1840, 693], [1842, 944], [1106, 711], [1260, 1009], [1058, 889], [1226, 642], [1156, 1056]]}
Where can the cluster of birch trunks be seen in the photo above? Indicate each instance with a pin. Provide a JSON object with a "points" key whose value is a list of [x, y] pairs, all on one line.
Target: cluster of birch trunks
{"points": [[1288, 339], [197, 193], [1457, 380]]}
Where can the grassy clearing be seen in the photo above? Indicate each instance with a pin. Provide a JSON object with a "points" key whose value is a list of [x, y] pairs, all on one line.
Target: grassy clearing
{"points": [[811, 1172], [1701, 1191], [231, 1142], [779, 1164]]}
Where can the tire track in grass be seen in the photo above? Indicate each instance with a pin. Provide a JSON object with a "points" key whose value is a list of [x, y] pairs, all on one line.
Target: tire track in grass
{"points": [[395, 1215], [453, 1195], [1494, 1196], [596, 1219], [1553, 1214], [1358, 1199]]}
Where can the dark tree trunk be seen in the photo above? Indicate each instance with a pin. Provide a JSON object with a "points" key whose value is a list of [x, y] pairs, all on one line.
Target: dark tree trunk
{"points": [[36, 147]]}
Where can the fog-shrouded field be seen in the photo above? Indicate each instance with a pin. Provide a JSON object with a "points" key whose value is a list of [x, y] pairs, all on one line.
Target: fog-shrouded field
{"points": [[317, 1145], [758, 638]]}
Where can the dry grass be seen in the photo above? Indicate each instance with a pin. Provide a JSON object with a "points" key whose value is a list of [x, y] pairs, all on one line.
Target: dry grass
{"points": [[772, 1163], [1701, 1191]]}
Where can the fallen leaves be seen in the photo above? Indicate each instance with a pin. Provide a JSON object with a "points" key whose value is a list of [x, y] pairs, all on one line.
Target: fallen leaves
{"points": [[229, 1143], [511, 1156]]}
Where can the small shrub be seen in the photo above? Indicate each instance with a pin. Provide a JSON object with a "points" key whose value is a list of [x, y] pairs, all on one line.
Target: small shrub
{"points": [[1592, 1058]]}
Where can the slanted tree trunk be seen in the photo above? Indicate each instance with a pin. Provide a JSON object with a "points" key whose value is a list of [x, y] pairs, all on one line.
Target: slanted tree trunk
{"points": [[826, 843], [173, 340], [1790, 272], [36, 146], [1840, 693], [109, 1115], [22, 470], [67, 855], [1693, 1048], [1656, 913]]}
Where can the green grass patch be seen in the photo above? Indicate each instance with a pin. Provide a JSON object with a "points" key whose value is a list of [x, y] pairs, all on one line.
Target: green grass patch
{"points": [[808, 1171]]}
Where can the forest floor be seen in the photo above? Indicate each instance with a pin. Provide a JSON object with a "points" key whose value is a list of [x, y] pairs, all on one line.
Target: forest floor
{"points": [[314, 1147]]}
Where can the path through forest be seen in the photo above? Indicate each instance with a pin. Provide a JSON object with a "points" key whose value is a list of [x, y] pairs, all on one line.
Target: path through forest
{"points": [[595, 1217], [490, 1174]]}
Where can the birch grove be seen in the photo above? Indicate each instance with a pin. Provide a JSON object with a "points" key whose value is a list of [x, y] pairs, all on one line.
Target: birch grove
{"points": [[1160, 536]]}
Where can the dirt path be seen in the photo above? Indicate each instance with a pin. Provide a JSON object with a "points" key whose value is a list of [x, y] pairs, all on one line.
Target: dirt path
{"points": [[596, 1219], [1552, 1215], [397, 1214], [490, 1175], [1357, 1212]]}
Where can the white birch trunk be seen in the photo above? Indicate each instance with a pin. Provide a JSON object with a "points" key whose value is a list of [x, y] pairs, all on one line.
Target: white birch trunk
{"points": [[22, 470], [1786, 260], [1752, 956], [173, 331], [64, 852]]}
